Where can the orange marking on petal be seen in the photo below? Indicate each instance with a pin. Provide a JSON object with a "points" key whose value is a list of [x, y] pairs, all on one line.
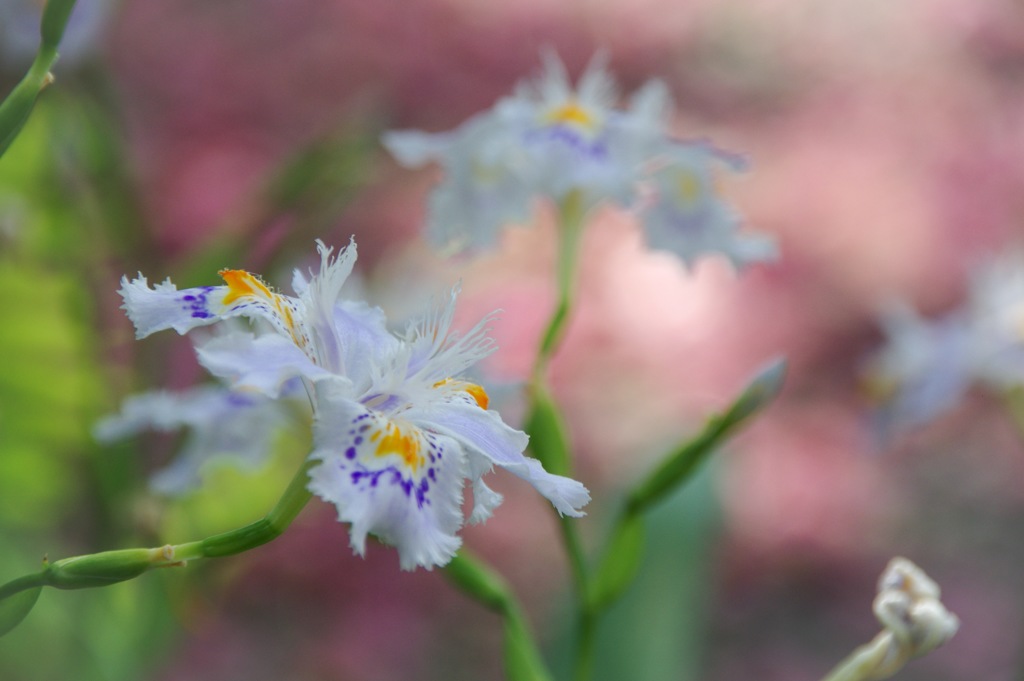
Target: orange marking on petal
{"points": [[405, 446], [241, 284], [479, 394], [475, 391]]}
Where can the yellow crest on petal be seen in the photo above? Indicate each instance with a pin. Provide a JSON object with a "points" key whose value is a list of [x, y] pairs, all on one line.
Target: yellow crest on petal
{"points": [[242, 284], [393, 440], [571, 113]]}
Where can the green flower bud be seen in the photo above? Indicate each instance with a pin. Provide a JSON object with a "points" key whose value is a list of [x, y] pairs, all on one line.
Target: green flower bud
{"points": [[109, 567]]}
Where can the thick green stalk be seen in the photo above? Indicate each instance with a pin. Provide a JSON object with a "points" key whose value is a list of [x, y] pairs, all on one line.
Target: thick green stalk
{"points": [[548, 438], [110, 567]]}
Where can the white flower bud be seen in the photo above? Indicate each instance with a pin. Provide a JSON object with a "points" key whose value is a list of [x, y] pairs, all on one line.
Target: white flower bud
{"points": [[914, 622]]}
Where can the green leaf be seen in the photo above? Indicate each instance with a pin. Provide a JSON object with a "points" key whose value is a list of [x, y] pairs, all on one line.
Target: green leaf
{"points": [[670, 597], [548, 440], [621, 561], [680, 466], [13, 609]]}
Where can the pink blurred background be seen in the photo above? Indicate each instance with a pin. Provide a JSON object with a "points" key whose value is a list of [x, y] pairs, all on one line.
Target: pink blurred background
{"points": [[886, 142]]}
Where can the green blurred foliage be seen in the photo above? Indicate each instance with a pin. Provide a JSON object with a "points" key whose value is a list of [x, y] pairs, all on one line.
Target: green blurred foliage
{"points": [[230, 498], [69, 214], [657, 630], [52, 388]]}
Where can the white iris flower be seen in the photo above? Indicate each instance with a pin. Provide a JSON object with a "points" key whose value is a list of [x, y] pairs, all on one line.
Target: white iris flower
{"points": [[927, 365], [397, 432], [551, 140], [689, 218], [923, 370]]}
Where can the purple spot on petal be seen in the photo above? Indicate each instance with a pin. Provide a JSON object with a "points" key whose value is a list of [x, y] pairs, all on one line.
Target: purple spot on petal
{"points": [[350, 453], [239, 400]]}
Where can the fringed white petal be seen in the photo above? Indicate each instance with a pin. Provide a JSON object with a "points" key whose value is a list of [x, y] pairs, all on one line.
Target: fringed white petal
{"points": [[318, 303], [264, 364], [486, 436], [165, 307], [437, 352], [389, 479], [485, 500], [413, 148]]}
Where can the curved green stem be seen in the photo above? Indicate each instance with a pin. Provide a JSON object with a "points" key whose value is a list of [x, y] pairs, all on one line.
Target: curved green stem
{"points": [[110, 567], [268, 528], [523, 661], [21, 584], [17, 106]]}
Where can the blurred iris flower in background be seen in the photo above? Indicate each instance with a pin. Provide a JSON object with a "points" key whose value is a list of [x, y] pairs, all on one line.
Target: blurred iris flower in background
{"points": [[572, 144]]}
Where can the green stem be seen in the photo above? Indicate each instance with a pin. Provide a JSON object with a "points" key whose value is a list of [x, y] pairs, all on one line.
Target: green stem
{"points": [[17, 106], [21, 584], [577, 560], [861, 664], [110, 567], [571, 212], [268, 528], [586, 632], [587, 615], [523, 661]]}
